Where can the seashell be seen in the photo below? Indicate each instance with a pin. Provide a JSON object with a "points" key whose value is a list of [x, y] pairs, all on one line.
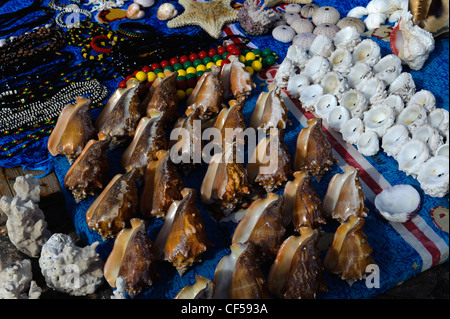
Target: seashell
{"points": [[304, 40], [135, 12], [395, 16], [344, 196], [354, 101], [236, 80], [131, 258], [358, 73], [443, 150], [350, 252], [322, 45], [430, 136], [302, 204], [337, 118], [238, 276], [410, 42], [313, 151], [395, 102], [284, 73], [373, 89], [293, 7], [150, 137], [341, 60], [358, 12], [334, 83], [388, 68], [424, 98], [316, 68], [224, 185], [379, 119], [302, 25], [207, 95], [270, 163], [162, 186], [310, 95], [89, 173], [375, 20], [432, 17], [283, 33], [367, 51], [263, 226], [434, 177], [379, 6], [231, 118], [117, 204], [348, 38], [411, 156], [297, 84], [368, 143], [298, 56], [297, 272], [403, 86], [145, 3], [325, 14], [398, 203], [412, 116], [356, 23], [202, 289], [166, 11], [290, 17], [308, 10], [73, 129], [352, 130], [439, 119], [324, 105], [327, 29], [182, 238], [270, 111], [396, 136]]}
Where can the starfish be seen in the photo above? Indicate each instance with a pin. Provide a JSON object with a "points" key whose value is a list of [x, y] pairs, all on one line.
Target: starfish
{"points": [[273, 3], [211, 16]]}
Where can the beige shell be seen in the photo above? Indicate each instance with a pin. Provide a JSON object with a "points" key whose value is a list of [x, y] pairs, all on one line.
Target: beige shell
{"points": [[352, 22], [326, 14], [283, 33], [166, 11], [135, 12], [302, 26], [308, 10], [328, 29]]}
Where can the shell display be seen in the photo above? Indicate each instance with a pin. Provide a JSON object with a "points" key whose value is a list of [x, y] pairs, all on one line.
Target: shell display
{"points": [[395, 102], [341, 60], [132, 258], [297, 272], [293, 8], [236, 80], [284, 73], [403, 86], [308, 10], [283, 33], [368, 143], [388, 68], [231, 120], [443, 150], [297, 84], [263, 226], [313, 150], [309, 96], [166, 11], [298, 56], [182, 238], [326, 14], [89, 173], [162, 185], [202, 289], [344, 196], [302, 204], [350, 252], [357, 12], [117, 204], [145, 3], [378, 119], [238, 276], [302, 26], [352, 130], [434, 176], [73, 130], [367, 51], [316, 68]]}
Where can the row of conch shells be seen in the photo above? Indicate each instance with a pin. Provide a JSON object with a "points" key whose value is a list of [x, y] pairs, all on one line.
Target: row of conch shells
{"points": [[363, 95]]}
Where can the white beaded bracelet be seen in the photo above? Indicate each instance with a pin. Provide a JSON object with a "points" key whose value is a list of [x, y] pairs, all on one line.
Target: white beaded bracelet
{"points": [[72, 8]]}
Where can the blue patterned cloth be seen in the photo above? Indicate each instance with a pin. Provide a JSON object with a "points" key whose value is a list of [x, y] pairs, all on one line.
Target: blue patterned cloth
{"points": [[396, 258]]}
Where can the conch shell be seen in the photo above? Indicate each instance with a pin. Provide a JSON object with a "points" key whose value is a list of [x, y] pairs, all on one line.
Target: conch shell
{"points": [[73, 129], [431, 15], [182, 238], [162, 186], [344, 196], [313, 151], [262, 225], [236, 80], [302, 204], [231, 120], [350, 252], [89, 173], [297, 272], [202, 289], [238, 275], [113, 209], [131, 258]]}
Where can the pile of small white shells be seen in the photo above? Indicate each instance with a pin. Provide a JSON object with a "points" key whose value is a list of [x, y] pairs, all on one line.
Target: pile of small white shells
{"points": [[378, 11], [300, 25], [371, 101]]}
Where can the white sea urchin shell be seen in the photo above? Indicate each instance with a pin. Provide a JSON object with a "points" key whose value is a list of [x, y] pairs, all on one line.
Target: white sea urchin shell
{"points": [[326, 14], [302, 25], [283, 33]]}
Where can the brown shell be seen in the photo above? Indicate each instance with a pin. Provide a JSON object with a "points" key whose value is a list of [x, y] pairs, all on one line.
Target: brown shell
{"points": [[350, 252], [202, 289], [236, 80], [182, 238], [115, 206], [162, 186], [313, 151], [131, 258], [231, 120], [89, 173], [302, 203], [297, 272], [73, 129], [431, 15]]}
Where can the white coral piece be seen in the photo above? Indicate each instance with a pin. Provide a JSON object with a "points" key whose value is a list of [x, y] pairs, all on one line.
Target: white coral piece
{"points": [[120, 291], [70, 269], [16, 281]]}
